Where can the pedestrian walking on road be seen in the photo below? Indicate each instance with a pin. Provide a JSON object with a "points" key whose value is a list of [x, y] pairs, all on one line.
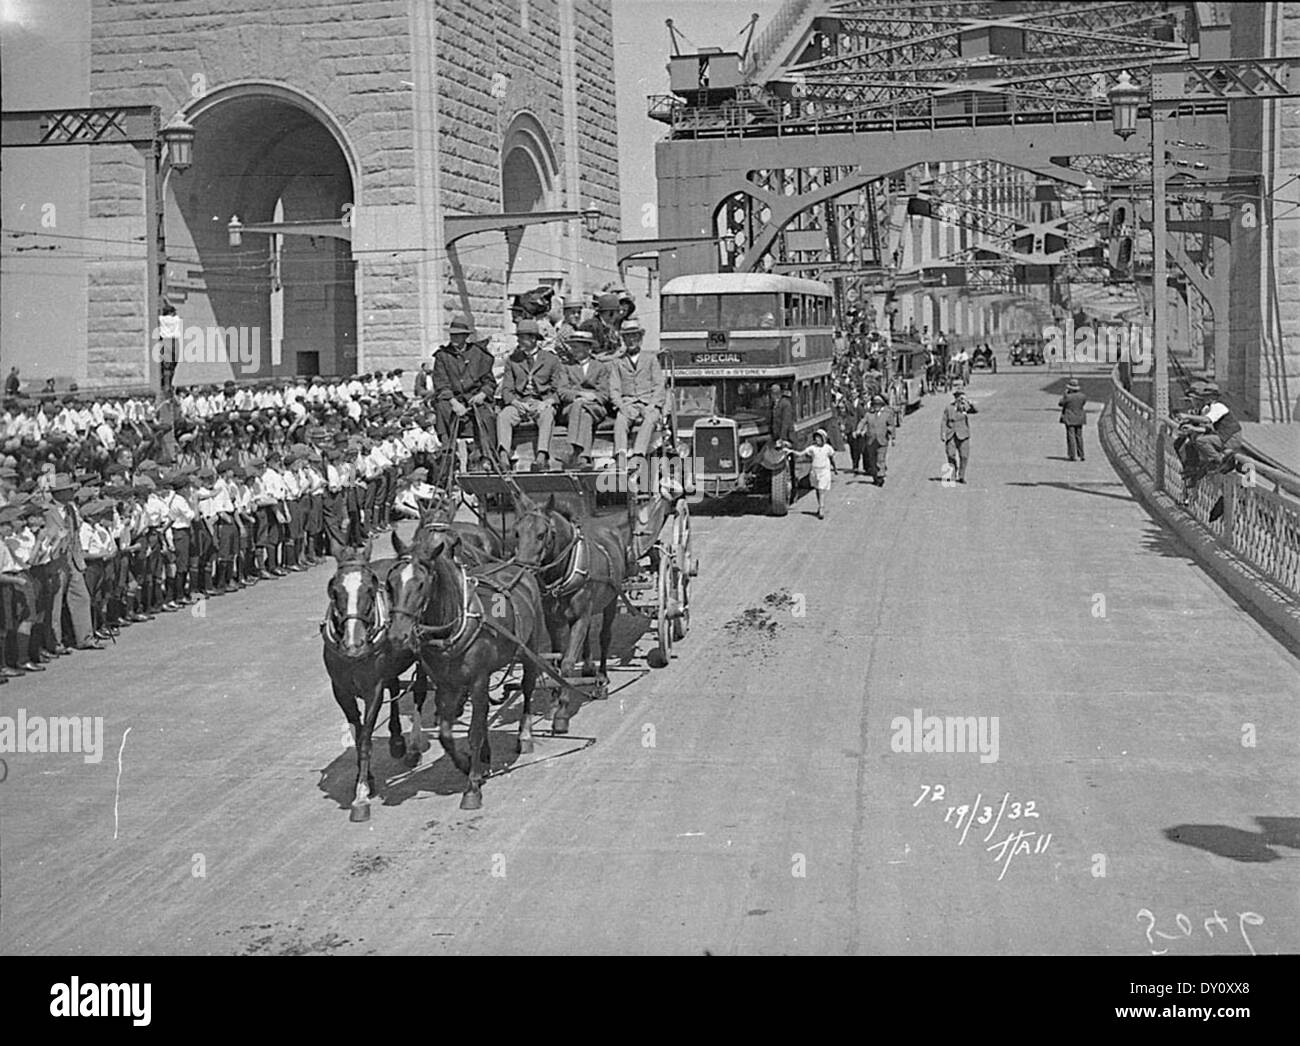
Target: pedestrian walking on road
{"points": [[1073, 418], [823, 465], [954, 432], [876, 430]]}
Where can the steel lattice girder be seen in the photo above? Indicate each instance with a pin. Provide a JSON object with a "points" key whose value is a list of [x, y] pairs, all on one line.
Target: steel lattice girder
{"points": [[868, 57]]}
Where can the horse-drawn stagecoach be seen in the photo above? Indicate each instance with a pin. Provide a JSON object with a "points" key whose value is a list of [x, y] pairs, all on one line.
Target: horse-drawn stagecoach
{"points": [[551, 554]]}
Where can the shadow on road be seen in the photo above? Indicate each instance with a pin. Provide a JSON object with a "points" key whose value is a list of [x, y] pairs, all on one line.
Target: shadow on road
{"points": [[1239, 844], [1078, 488]]}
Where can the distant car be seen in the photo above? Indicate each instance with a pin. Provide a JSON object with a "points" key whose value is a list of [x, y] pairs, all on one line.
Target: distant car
{"points": [[983, 359], [1027, 351]]}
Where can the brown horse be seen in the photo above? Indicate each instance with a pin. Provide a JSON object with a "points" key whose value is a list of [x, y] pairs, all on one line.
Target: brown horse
{"points": [[581, 564], [452, 617], [361, 661]]}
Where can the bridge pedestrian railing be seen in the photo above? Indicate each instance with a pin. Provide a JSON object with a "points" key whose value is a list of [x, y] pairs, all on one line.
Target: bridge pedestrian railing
{"points": [[1260, 520]]}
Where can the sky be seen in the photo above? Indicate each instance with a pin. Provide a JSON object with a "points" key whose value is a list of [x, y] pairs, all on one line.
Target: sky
{"points": [[641, 50]]}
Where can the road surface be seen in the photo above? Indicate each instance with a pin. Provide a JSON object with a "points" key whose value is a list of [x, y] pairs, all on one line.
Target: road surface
{"points": [[750, 797]]}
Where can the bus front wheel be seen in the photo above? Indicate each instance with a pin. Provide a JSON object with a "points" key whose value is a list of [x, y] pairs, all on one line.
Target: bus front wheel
{"points": [[781, 491]]}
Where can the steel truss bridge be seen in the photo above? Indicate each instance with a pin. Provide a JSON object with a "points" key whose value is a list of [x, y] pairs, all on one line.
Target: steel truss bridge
{"points": [[850, 128]]}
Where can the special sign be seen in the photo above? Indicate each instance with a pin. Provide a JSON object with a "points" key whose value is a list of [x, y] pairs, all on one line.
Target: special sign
{"points": [[715, 359]]}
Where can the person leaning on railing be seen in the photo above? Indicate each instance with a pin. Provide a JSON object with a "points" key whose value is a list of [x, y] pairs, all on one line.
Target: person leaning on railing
{"points": [[1209, 437]]}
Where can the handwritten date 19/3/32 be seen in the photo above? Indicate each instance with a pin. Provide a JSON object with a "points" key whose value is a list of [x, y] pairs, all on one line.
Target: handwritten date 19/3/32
{"points": [[1017, 842]]}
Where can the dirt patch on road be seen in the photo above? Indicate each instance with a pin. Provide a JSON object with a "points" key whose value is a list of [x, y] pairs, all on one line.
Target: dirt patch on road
{"points": [[287, 940], [367, 864], [761, 623]]}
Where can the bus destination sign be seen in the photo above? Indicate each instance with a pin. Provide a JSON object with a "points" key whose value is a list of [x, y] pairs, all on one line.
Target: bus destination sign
{"points": [[715, 358]]}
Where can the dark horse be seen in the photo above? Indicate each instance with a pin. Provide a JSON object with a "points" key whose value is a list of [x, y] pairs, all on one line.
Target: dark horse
{"points": [[362, 661], [581, 565], [452, 617]]}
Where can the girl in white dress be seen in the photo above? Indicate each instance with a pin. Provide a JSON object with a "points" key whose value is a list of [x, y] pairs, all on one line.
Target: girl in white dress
{"points": [[823, 464]]}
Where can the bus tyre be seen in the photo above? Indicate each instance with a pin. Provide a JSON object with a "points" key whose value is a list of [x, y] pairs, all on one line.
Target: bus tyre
{"points": [[781, 491]]}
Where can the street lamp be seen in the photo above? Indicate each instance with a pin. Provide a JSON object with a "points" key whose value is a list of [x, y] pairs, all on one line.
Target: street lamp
{"points": [[1125, 97], [178, 137], [235, 230], [1090, 196], [591, 219]]}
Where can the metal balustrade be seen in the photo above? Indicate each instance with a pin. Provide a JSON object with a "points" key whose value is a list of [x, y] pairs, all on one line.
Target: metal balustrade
{"points": [[1260, 520]]}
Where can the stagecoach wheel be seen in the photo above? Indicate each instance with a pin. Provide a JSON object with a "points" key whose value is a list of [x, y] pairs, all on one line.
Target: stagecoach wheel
{"points": [[781, 491], [664, 624], [682, 623]]}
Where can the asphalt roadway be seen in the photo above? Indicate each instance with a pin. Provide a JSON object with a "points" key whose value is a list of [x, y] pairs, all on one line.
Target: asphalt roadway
{"points": [[749, 797]]}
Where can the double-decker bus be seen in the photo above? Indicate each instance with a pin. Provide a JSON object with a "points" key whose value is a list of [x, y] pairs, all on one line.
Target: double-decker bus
{"points": [[728, 337]]}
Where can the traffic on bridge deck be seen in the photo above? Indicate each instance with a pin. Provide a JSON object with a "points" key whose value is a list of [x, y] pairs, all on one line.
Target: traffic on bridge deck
{"points": [[623, 477]]}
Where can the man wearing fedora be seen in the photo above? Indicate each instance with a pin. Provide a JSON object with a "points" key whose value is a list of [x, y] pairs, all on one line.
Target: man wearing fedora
{"points": [[640, 395], [954, 432], [876, 429], [1073, 418], [1210, 434], [586, 395], [464, 386], [531, 390]]}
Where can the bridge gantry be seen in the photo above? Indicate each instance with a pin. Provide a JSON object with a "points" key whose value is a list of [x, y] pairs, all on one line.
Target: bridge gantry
{"points": [[957, 151]]}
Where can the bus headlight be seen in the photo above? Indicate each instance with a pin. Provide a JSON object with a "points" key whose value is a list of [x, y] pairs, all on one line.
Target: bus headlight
{"points": [[746, 450]]}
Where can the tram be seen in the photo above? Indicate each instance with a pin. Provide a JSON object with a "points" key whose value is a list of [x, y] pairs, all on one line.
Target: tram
{"points": [[910, 358], [727, 337]]}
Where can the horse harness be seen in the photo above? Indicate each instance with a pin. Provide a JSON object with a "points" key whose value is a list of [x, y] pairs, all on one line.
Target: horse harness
{"points": [[450, 641], [331, 629]]}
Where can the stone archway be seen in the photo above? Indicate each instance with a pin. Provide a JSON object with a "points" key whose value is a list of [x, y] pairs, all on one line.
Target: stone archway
{"points": [[529, 171], [264, 152]]}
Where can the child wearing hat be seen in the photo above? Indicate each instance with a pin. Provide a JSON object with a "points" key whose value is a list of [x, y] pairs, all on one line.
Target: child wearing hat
{"points": [[822, 455]]}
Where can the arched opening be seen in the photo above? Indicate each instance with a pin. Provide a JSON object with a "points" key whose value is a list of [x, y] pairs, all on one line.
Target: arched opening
{"points": [[279, 304], [529, 169]]}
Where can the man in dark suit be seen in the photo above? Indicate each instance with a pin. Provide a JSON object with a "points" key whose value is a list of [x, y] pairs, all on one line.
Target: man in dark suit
{"points": [[531, 390], [585, 393], [780, 415], [463, 386], [1073, 418]]}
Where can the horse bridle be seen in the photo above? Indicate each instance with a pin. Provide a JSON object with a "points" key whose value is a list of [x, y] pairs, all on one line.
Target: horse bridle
{"points": [[333, 625], [569, 550], [444, 638]]}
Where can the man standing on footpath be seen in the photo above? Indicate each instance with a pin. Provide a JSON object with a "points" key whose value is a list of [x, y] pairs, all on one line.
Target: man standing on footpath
{"points": [[1073, 418], [954, 432]]}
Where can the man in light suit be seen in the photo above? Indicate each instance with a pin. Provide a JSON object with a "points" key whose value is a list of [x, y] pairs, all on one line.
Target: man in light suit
{"points": [[954, 432], [584, 392], [638, 390]]}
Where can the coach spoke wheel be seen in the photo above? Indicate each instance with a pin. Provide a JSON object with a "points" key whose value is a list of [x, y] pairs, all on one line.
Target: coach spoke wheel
{"points": [[682, 623], [665, 591]]}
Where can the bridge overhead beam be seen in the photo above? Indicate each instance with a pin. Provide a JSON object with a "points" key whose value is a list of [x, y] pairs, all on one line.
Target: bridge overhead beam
{"points": [[696, 176]]}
